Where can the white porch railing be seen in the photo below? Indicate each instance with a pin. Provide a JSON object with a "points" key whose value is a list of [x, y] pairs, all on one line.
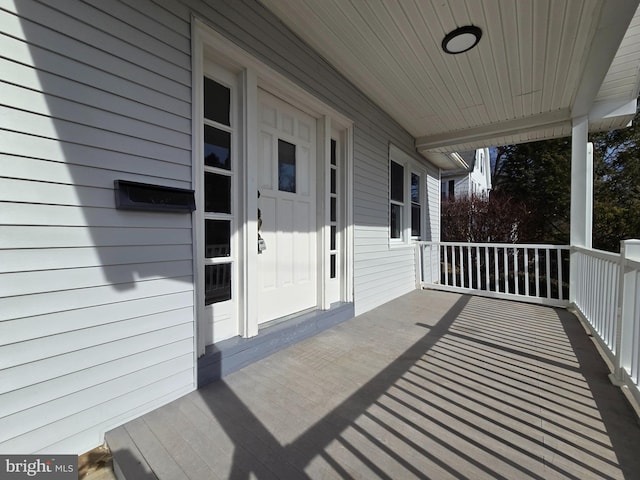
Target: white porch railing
{"points": [[595, 292], [532, 273], [607, 297], [604, 288]]}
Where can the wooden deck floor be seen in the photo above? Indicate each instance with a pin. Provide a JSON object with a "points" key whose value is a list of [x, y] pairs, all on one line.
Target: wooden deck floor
{"points": [[432, 385]]}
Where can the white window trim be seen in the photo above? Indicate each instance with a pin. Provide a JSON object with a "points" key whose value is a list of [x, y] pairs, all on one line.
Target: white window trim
{"points": [[410, 166]]}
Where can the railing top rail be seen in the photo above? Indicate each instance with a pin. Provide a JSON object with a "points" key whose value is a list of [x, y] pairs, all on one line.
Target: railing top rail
{"points": [[604, 255], [499, 245], [634, 264]]}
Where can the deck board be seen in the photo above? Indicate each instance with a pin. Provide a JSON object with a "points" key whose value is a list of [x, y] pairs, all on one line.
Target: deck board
{"points": [[431, 385]]}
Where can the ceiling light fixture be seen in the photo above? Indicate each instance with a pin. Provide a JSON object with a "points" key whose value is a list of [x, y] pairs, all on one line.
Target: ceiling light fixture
{"points": [[462, 39]]}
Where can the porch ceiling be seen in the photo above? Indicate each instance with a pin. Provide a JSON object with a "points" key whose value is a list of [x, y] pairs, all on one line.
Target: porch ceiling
{"points": [[537, 65]]}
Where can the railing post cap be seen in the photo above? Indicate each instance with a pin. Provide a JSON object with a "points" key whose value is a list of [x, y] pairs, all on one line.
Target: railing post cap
{"points": [[630, 249]]}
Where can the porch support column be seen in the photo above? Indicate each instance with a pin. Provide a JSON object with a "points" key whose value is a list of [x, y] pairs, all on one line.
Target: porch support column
{"points": [[581, 193], [581, 184]]}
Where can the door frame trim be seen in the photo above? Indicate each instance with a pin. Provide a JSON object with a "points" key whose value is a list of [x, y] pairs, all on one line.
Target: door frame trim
{"points": [[253, 73]]}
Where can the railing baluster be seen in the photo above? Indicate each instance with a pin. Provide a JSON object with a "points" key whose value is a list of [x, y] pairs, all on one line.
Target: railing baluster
{"points": [[635, 354], [461, 257], [559, 260], [537, 264], [478, 284], [597, 294], [602, 295], [608, 286], [591, 299], [469, 267], [526, 272], [446, 265], [506, 270], [495, 270], [453, 265], [486, 269], [516, 271], [547, 255]]}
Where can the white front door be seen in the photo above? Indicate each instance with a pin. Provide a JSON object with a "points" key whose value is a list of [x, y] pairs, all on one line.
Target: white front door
{"points": [[287, 269]]}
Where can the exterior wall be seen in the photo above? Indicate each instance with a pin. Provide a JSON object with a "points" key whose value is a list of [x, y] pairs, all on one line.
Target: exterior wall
{"points": [[480, 176], [96, 304], [96, 307], [477, 180], [432, 233], [461, 185]]}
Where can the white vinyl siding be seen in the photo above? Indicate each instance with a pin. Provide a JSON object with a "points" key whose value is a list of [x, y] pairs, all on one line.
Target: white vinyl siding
{"points": [[96, 304], [432, 227]]}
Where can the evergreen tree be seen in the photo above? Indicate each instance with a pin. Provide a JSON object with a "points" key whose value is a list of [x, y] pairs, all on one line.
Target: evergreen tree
{"points": [[616, 210], [538, 174]]}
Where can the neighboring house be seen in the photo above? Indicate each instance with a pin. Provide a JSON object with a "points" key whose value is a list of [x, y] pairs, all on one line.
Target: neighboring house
{"points": [[306, 125], [473, 180]]}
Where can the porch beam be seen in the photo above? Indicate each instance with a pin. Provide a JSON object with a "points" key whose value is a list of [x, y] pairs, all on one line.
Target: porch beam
{"points": [[612, 108], [556, 119]]}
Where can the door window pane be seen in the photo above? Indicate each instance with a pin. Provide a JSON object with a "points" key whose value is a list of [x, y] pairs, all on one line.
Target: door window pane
{"points": [[333, 152], [217, 193], [217, 238], [217, 102], [332, 266], [286, 167], [217, 283], [334, 183], [217, 148], [397, 182], [396, 220], [334, 209]]}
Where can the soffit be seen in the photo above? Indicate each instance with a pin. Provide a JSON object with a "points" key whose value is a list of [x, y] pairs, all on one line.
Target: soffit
{"points": [[521, 83]]}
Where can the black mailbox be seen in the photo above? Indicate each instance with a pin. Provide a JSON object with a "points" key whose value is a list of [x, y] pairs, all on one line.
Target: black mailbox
{"points": [[156, 198]]}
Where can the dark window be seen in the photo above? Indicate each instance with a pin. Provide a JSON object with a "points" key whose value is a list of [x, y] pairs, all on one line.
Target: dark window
{"points": [[217, 148], [415, 205], [452, 189], [217, 193], [415, 188], [333, 152], [415, 220], [217, 283], [217, 101], [396, 220], [397, 182], [334, 236], [217, 238], [286, 167]]}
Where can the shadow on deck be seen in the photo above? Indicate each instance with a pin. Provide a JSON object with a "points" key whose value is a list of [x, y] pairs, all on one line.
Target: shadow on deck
{"points": [[431, 385]]}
